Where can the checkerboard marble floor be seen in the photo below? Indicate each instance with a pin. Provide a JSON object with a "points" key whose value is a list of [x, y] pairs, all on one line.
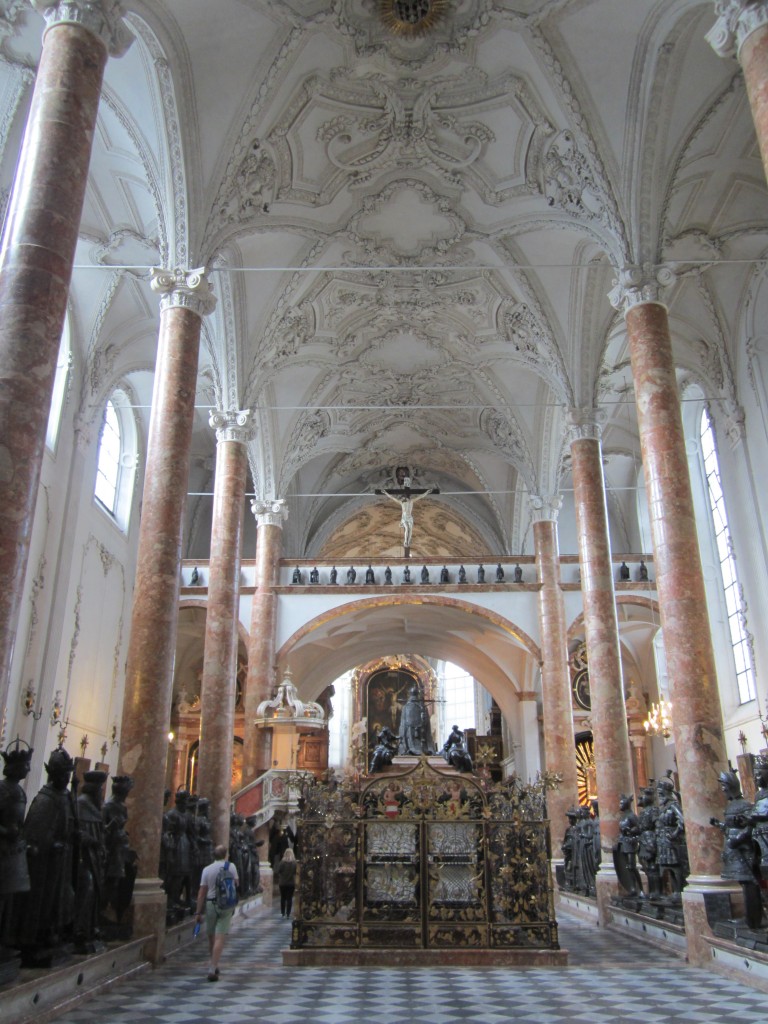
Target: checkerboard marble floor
{"points": [[611, 979]]}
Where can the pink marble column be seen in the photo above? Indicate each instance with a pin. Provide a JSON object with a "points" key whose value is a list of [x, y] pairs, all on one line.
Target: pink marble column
{"points": [[217, 690], [557, 708], [152, 643], [742, 31], [613, 760], [36, 266], [270, 516], [696, 717]]}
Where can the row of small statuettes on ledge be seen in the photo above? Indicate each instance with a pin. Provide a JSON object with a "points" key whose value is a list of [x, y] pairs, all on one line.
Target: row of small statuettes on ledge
{"points": [[370, 576]]}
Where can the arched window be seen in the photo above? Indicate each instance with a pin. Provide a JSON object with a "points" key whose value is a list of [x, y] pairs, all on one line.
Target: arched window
{"points": [[115, 466], [745, 676]]}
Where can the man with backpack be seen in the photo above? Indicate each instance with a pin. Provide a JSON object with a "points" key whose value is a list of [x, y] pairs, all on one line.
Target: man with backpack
{"points": [[217, 899]]}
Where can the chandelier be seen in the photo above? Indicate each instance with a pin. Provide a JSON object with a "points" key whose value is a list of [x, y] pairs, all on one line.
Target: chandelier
{"points": [[659, 720]]}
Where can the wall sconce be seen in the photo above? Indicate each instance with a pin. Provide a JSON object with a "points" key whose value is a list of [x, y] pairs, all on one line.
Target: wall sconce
{"points": [[57, 709], [29, 700], [659, 720]]}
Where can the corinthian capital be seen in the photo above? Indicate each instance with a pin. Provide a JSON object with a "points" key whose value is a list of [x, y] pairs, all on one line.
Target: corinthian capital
{"points": [[545, 507], [233, 425], [188, 288], [269, 512], [585, 424], [636, 285], [102, 18], [736, 19]]}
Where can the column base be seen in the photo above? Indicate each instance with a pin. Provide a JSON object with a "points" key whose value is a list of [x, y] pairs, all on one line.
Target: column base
{"points": [[607, 888], [149, 909], [706, 899]]}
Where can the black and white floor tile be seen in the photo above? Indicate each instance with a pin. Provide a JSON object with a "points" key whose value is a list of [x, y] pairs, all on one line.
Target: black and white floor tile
{"points": [[611, 979]]}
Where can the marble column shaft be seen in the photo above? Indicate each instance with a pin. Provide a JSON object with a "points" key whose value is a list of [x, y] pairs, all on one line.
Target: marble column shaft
{"points": [[613, 759], [152, 641], [217, 689], [261, 649], [754, 61], [557, 708], [696, 715], [35, 270]]}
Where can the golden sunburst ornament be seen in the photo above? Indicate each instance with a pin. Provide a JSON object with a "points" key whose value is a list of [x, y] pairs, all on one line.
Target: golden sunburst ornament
{"points": [[411, 17]]}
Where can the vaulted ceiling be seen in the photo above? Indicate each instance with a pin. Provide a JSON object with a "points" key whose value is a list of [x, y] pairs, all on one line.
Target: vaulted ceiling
{"points": [[412, 235]]}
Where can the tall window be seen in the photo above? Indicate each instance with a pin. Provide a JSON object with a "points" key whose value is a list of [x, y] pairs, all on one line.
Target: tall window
{"points": [[739, 637], [459, 696], [108, 467]]}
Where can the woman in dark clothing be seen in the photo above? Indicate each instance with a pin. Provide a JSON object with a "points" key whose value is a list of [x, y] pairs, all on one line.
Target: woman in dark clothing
{"points": [[286, 880]]}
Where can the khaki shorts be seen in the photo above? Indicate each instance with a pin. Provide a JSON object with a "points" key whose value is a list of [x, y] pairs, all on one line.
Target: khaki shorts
{"points": [[217, 921]]}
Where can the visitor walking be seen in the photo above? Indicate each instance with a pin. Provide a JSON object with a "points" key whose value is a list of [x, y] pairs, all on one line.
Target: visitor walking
{"points": [[286, 880], [217, 917]]}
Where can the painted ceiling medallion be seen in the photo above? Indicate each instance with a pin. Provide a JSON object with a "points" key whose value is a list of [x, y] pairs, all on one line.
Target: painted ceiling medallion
{"points": [[411, 17]]}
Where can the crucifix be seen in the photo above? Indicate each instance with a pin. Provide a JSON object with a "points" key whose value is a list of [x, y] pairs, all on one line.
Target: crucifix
{"points": [[406, 496]]}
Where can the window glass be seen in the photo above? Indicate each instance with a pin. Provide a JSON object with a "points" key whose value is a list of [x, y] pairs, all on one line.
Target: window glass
{"points": [[108, 468], [733, 600]]}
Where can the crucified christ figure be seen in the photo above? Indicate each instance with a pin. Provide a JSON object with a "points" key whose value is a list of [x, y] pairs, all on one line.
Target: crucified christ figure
{"points": [[406, 497]]}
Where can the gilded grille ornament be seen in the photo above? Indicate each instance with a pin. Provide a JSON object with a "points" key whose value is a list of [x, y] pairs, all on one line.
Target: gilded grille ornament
{"points": [[422, 858]]}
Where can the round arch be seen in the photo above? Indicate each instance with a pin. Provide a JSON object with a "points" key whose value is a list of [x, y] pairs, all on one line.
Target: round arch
{"points": [[500, 655]]}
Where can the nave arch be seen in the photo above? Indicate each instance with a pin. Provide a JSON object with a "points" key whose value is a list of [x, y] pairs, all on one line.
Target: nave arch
{"points": [[500, 655]]}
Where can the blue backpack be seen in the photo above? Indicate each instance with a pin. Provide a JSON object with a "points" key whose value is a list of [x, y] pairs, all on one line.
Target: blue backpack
{"points": [[226, 890]]}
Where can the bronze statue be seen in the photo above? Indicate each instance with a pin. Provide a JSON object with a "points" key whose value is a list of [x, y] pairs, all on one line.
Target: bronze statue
{"points": [[481, 574], [92, 863], [384, 751], [568, 848], [14, 873], [444, 578], [462, 574], [671, 849], [518, 574], [415, 730], [351, 575], [499, 573], [455, 751], [369, 576], [296, 578], [334, 576], [179, 855], [314, 575], [624, 571], [120, 873], [759, 815], [407, 574], [45, 915], [387, 575], [625, 850], [646, 852], [740, 852], [424, 574]]}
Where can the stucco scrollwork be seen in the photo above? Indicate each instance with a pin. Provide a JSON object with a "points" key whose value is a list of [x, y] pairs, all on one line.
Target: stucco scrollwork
{"points": [[567, 179], [251, 189]]}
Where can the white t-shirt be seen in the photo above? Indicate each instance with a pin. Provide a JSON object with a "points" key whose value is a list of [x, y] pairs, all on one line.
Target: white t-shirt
{"points": [[210, 873]]}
